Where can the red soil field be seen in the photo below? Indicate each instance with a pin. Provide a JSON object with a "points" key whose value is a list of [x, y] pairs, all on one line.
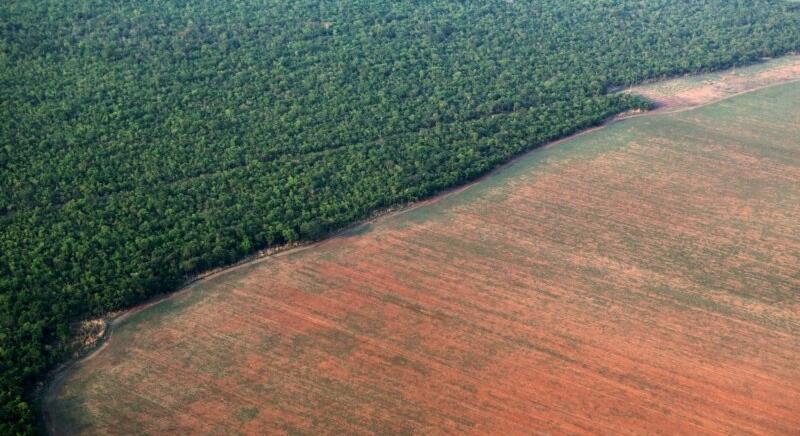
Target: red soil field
{"points": [[641, 279], [695, 91]]}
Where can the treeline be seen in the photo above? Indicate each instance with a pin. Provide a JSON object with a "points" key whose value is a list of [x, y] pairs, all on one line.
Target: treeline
{"points": [[143, 142]]}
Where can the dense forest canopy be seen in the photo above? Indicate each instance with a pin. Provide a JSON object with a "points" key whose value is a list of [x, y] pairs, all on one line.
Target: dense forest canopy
{"points": [[143, 142]]}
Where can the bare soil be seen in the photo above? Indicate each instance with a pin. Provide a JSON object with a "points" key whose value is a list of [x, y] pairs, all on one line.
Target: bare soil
{"points": [[639, 279], [693, 91]]}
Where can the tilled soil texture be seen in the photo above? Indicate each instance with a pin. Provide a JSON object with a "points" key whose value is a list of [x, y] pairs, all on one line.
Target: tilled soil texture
{"points": [[643, 279], [692, 91]]}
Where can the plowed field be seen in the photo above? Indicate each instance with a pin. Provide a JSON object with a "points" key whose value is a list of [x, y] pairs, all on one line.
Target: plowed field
{"points": [[692, 91], [644, 278]]}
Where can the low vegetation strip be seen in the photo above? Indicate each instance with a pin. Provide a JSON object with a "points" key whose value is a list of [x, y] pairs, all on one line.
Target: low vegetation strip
{"points": [[693, 91], [642, 278]]}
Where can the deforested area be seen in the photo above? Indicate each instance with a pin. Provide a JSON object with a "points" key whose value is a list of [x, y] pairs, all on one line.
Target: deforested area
{"points": [[639, 279], [142, 143]]}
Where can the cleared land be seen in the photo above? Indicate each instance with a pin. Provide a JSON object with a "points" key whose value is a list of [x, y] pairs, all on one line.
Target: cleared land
{"points": [[644, 278], [697, 90]]}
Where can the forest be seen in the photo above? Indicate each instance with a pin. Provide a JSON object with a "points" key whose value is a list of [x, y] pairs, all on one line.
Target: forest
{"points": [[142, 143]]}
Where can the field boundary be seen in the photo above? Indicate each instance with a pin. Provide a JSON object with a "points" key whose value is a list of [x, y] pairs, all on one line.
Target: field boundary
{"points": [[57, 376]]}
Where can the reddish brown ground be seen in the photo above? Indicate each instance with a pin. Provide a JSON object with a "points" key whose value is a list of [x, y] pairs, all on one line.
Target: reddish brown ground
{"points": [[695, 91], [643, 279]]}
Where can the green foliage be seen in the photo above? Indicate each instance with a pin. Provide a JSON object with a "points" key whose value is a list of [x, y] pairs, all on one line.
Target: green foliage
{"points": [[143, 142]]}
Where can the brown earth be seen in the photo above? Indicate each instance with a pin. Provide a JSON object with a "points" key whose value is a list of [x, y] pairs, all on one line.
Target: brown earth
{"points": [[696, 91], [642, 279]]}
